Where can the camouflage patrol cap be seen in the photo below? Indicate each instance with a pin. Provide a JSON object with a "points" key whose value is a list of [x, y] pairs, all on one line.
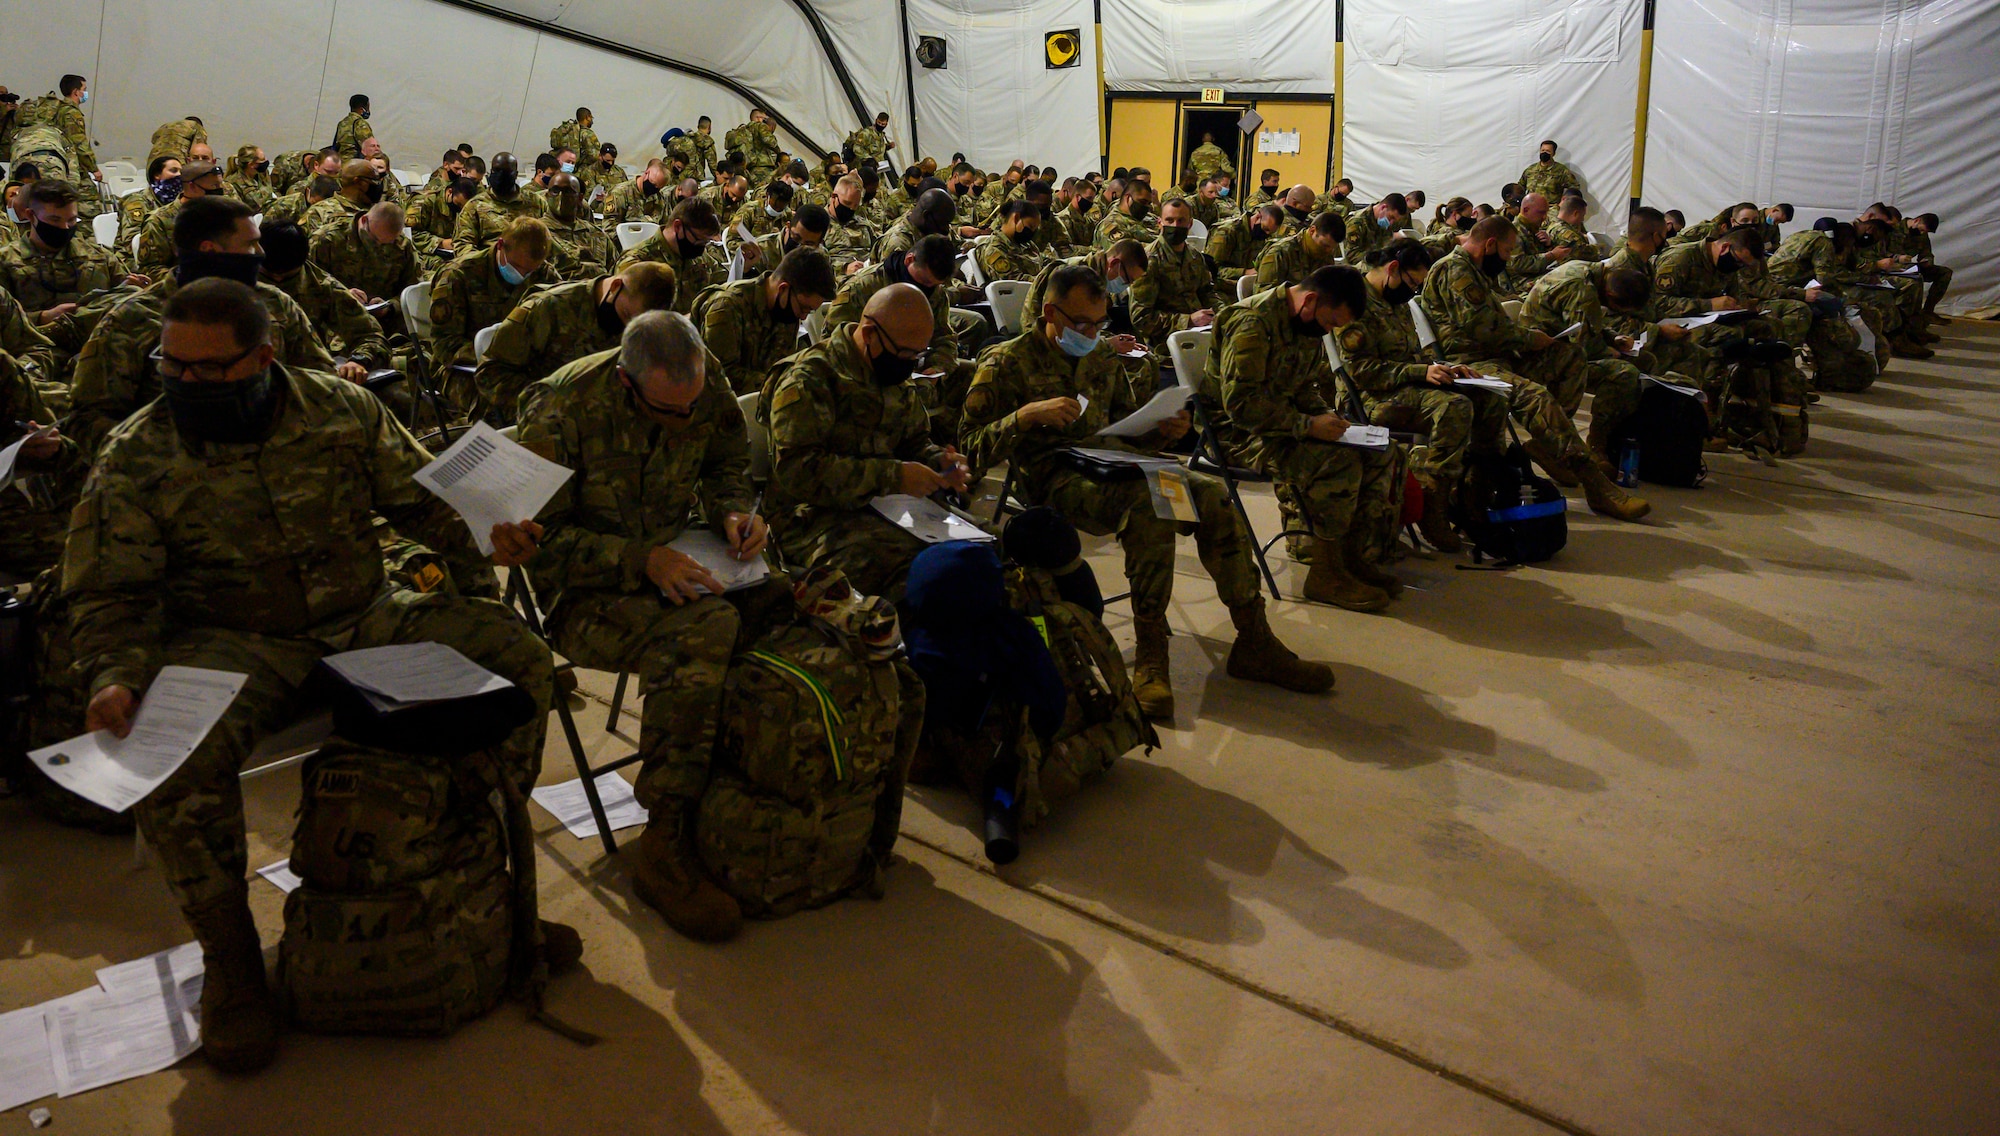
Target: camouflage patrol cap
{"points": [[825, 594]]}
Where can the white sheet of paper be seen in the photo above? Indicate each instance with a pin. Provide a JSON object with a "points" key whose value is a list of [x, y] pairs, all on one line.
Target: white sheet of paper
{"points": [[12, 454], [26, 1071], [181, 963], [404, 673], [927, 520], [1486, 383], [1679, 388], [1913, 271], [491, 481], [712, 553], [1162, 406], [1083, 400], [1572, 329], [177, 711], [281, 876], [566, 802], [1639, 342], [99, 1037], [1124, 458], [1366, 437], [1694, 321]]}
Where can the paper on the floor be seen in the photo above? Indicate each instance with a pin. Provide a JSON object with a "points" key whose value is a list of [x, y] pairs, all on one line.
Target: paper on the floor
{"points": [[178, 710], [1366, 437], [712, 552], [281, 876], [1485, 383], [492, 480], [567, 803], [927, 520], [26, 1071], [1168, 402], [98, 1037], [175, 963], [404, 673]]}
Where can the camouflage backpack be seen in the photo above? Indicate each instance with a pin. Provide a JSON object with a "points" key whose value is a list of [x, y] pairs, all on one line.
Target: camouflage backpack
{"points": [[1839, 363], [819, 719], [43, 144]]}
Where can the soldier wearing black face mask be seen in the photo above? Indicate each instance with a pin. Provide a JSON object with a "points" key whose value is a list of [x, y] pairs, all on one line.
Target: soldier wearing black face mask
{"points": [[495, 207], [360, 188], [49, 271], [681, 244], [213, 236]]}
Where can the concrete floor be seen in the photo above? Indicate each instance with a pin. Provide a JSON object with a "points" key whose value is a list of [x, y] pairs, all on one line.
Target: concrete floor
{"points": [[1690, 830]]}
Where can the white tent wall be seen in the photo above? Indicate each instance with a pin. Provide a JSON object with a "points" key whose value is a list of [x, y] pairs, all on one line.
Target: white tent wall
{"points": [[1452, 98], [1245, 46], [1830, 106], [996, 99]]}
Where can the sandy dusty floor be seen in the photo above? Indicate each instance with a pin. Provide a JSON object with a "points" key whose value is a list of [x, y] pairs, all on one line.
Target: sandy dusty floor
{"points": [[1689, 831]]}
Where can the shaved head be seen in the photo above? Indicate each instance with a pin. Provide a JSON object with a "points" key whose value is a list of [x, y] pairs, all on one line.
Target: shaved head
{"points": [[1534, 208], [904, 312], [1300, 197]]}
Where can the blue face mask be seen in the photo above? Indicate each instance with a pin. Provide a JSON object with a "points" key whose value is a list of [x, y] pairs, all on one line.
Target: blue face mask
{"points": [[569, 167], [1117, 286], [1075, 344], [1381, 222], [83, 98], [508, 272], [1222, 191]]}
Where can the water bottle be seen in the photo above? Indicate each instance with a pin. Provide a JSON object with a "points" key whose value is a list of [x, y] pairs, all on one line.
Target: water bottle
{"points": [[1628, 466]]}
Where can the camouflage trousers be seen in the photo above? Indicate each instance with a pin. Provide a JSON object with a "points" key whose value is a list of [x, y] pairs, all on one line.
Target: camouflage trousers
{"points": [[1125, 509], [1559, 369], [194, 820], [1614, 395], [1346, 495], [874, 554], [1531, 404], [1792, 319], [1879, 311], [681, 656], [1445, 415], [1939, 279]]}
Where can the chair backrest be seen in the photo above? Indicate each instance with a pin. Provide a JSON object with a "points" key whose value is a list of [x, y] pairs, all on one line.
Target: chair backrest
{"points": [[416, 304], [1333, 353], [1603, 241], [816, 324], [1189, 350], [1426, 334], [118, 167], [410, 179], [758, 435], [632, 234], [1246, 286], [135, 247], [1197, 231], [1512, 308], [481, 340], [104, 227], [1410, 233], [1007, 298]]}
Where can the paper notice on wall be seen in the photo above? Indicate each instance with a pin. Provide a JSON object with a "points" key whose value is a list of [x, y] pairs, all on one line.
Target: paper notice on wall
{"points": [[1277, 141]]}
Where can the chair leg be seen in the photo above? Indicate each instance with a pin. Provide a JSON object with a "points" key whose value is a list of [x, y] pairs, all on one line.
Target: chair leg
{"points": [[617, 701], [589, 782], [1220, 457]]}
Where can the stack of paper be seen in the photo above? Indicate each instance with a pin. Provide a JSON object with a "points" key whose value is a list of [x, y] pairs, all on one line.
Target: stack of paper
{"points": [[492, 480], [927, 520], [1366, 437], [1565, 333], [1485, 383], [1678, 388], [141, 1017], [403, 674], [178, 710], [1694, 321], [567, 803], [712, 552]]}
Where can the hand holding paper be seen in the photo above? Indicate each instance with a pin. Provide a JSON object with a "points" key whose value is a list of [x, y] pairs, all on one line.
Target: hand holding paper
{"points": [[492, 480]]}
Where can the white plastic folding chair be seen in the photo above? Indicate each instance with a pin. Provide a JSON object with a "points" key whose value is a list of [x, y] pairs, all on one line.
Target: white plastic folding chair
{"points": [[416, 305], [1007, 298], [968, 267], [104, 227], [482, 339], [1197, 235], [1603, 241], [119, 167], [632, 234], [1410, 233], [1426, 334], [815, 325], [759, 436], [1512, 308], [1189, 351], [1246, 286], [410, 179]]}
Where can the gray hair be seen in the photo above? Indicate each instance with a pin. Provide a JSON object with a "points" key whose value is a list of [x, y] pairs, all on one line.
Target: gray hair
{"points": [[661, 340]]}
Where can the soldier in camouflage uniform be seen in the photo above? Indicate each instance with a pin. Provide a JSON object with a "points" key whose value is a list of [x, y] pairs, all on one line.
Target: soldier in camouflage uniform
{"points": [[757, 141], [1700, 271], [1211, 203], [602, 174], [583, 251], [1463, 300], [806, 229], [175, 139], [848, 425], [1289, 260], [1209, 159], [550, 329], [1012, 253], [639, 198], [941, 377], [349, 132], [163, 177], [64, 112], [702, 167], [1565, 231], [1128, 220], [51, 280], [45, 364], [249, 177], [360, 188], [871, 145], [372, 254], [239, 535], [115, 375], [1027, 406], [1547, 176], [851, 233], [1670, 347], [498, 204], [1078, 221], [156, 237], [726, 196], [649, 438], [48, 470], [771, 211], [751, 325], [575, 134], [1119, 267], [682, 245], [1177, 291], [1827, 255], [1237, 244], [1274, 375], [932, 214], [432, 218], [1590, 294], [344, 327], [1533, 253], [1268, 190], [478, 290]]}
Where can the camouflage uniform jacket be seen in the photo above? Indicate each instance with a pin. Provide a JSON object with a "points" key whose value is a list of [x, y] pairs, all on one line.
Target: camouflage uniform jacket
{"points": [[1176, 285], [1259, 196], [254, 189], [428, 219], [1661, 306], [1364, 236], [133, 211], [1002, 259], [156, 238], [574, 136], [547, 331], [467, 295], [635, 488], [20, 338], [1562, 234], [1271, 376], [1379, 351], [485, 217], [1528, 260], [54, 110], [743, 333], [1029, 368], [332, 213], [32, 525], [1077, 227], [855, 291], [582, 250], [850, 240], [40, 280], [894, 203], [719, 200], [1809, 255], [690, 275], [291, 207], [760, 155], [627, 202], [1287, 261], [897, 239], [868, 144], [274, 538], [596, 176], [1752, 282], [1210, 211], [839, 437], [754, 218], [1236, 245], [1568, 294], [350, 133], [1687, 272], [114, 377], [174, 139], [1117, 226], [1031, 308], [358, 260], [1548, 179], [1464, 306], [1208, 158], [343, 326]]}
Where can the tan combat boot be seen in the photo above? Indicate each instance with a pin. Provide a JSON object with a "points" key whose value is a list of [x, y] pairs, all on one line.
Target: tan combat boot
{"points": [[1606, 497], [1557, 469], [667, 876], [1435, 524], [1151, 683], [1257, 656], [1373, 574], [1600, 444], [239, 1017], [1329, 582]]}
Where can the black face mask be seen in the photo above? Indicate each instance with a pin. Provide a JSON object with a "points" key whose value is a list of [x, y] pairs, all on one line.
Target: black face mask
{"points": [[1026, 236], [842, 213], [1493, 264], [958, 190], [238, 266], [1140, 209], [1175, 234], [1399, 295], [898, 271], [1296, 214], [503, 182], [1727, 263], [223, 412], [648, 188], [1307, 329], [607, 318], [781, 313], [890, 369], [1548, 157], [1463, 224], [689, 249], [54, 236], [374, 194]]}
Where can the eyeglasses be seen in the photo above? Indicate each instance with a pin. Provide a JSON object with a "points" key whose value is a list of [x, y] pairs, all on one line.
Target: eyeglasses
{"points": [[895, 348], [1083, 327], [201, 370]]}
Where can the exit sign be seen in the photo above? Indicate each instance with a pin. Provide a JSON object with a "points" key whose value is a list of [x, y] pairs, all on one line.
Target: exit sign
{"points": [[1211, 94]]}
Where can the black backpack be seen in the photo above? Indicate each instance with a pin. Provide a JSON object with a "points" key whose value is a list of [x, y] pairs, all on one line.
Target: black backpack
{"points": [[1668, 429], [1507, 512]]}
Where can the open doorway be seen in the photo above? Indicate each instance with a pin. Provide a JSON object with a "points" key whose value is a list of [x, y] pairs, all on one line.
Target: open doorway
{"points": [[1199, 120]]}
